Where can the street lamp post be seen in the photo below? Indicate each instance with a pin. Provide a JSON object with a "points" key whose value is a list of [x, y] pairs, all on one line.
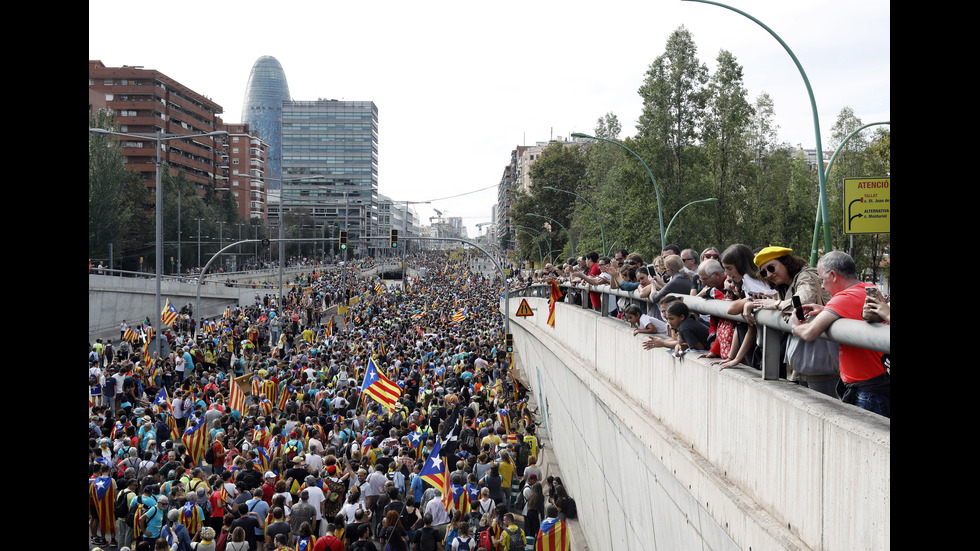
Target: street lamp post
{"points": [[605, 251], [823, 209], [656, 188], [570, 242], [535, 234], [159, 137], [710, 200]]}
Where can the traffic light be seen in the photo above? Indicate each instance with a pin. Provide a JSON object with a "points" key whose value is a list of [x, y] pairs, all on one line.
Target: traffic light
{"points": [[509, 342], [394, 239], [343, 239]]}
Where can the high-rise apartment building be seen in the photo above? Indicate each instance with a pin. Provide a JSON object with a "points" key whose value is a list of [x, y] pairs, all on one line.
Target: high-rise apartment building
{"points": [[242, 168], [330, 167], [146, 101], [265, 92]]}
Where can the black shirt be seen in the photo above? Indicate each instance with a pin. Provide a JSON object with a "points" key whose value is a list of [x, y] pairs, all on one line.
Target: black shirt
{"points": [[250, 524]]}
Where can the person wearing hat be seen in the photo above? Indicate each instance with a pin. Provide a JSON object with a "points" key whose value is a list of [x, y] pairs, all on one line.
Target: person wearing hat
{"points": [[865, 380], [791, 276]]}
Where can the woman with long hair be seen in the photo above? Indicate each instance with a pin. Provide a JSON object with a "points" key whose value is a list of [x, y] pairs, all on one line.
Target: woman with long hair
{"points": [[739, 263], [534, 510], [393, 535]]}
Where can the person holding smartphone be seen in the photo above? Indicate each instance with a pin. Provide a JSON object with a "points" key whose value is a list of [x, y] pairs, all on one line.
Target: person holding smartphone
{"points": [[792, 276]]}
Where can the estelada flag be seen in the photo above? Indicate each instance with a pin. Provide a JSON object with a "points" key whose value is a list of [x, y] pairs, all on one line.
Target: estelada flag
{"points": [[102, 493], [553, 536], [461, 499], [195, 439], [169, 314], [434, 472], [379, 387]]}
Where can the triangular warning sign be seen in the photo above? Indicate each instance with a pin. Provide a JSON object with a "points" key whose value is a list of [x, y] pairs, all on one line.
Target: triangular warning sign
{"points": [[525, 309]]}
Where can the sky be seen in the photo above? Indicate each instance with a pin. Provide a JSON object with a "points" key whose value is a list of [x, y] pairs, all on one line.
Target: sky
{"points": [[459, 85]]}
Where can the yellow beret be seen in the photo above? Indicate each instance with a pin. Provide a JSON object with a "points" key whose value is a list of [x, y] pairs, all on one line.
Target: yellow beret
{"points": [[769, 253]]}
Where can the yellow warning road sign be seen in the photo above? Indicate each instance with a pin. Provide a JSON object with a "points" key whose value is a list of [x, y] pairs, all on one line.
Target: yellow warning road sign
{"points": [[867, 205], [525, 309]]}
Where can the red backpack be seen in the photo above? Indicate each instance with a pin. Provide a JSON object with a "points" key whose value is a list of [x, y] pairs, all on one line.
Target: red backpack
{"points": [[485, 541]]}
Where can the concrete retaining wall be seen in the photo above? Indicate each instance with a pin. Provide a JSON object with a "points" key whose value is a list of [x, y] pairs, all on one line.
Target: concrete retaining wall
{"points": [[112, 299], [665, 453]]}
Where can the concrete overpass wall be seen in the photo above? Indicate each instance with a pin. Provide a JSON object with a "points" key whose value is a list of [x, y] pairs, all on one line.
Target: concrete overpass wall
{"points": [[665, 453], [112, 299]]}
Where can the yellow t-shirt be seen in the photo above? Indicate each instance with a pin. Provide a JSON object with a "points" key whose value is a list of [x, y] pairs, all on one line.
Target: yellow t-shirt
{"points": [[506, 470]]}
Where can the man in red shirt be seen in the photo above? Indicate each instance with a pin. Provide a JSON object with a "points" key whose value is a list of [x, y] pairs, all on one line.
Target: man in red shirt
{"points": [[592, 277], [864, 373], [329, 542]]}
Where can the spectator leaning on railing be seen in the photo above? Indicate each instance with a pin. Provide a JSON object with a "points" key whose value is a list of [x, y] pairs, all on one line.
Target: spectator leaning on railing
{"points": [[865, 380]]}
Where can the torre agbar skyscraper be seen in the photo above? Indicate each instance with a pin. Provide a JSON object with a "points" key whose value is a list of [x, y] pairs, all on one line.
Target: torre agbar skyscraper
{"points": [[262, 111]]}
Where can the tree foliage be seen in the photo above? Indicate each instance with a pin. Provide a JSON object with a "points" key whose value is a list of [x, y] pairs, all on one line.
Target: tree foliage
{"points": [[700, 136], [122, 210]]}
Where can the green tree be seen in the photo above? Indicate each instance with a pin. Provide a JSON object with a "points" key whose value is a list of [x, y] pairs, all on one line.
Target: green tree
{"points": [[674, 98], [726, 130], [562, 167], [118, 199]]}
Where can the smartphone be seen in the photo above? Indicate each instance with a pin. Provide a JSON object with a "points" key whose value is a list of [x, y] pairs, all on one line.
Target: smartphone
{"points": [[798, 307], [871, 291]]}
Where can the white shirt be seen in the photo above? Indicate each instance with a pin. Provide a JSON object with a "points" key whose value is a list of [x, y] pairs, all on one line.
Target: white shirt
{"points": [[316, 498], [314, 462], [645, 320], [439, 515]]}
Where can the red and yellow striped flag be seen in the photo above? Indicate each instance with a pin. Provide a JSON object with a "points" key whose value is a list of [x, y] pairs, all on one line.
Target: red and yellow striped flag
{"points": [[283, 398], [102, 492], [379, 387], [553, 536], [195, 439], [555, 297], [236, 398]]}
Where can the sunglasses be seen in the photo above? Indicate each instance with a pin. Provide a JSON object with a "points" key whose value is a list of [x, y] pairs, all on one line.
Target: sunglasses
{"points": [[770, 268], [711, 256]]}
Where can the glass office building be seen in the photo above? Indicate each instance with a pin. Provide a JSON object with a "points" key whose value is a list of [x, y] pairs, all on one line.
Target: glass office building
{"points": [[330, 166], [262, 110]]}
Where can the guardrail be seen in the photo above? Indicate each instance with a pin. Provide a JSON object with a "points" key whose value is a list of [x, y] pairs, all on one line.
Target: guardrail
{"points": [[870, 336]]}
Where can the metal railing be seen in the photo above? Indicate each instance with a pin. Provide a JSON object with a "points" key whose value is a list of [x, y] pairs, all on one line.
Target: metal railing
{"points": [[870, 336]]}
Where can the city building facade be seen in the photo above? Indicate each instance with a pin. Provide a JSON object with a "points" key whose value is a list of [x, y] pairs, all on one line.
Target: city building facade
{"points": [[146, 101], [242, 160], [330, 168]]}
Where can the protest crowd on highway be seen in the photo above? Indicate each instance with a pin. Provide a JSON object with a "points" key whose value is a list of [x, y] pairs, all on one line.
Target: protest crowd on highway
{"points": [[353, 415]]}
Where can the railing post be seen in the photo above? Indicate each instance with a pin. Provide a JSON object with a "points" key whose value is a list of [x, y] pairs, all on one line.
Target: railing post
{"points": [[771, 351]]}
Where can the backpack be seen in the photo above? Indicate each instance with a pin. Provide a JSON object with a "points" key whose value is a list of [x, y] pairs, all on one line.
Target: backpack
{"points": [[521, 501], [486, 541], [463, 545], [209, 456], [469, 440], [523, 452], [121, 507], [517, 543], [131, 516]]}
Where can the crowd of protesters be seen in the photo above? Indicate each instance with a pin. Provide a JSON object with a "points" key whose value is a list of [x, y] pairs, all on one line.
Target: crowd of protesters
{"points": [[305, 457]]}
